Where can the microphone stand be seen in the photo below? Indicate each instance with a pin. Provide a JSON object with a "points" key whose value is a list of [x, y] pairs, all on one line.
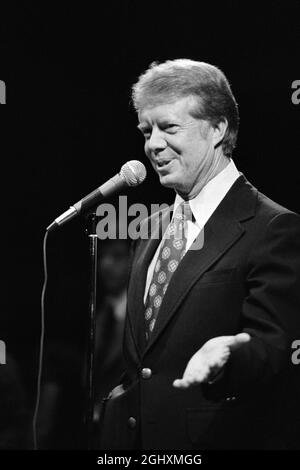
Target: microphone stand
{"points": [[90, 359]]}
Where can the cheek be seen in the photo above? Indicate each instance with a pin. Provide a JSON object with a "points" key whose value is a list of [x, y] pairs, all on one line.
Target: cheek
{"points": [[146, 150], [195, 155]]}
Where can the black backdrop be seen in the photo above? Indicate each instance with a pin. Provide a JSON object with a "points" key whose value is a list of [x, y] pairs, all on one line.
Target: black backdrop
{"points": [[68, 126]]}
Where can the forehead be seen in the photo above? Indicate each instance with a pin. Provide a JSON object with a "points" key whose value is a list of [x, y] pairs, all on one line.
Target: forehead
{"points": [[178, 109]]}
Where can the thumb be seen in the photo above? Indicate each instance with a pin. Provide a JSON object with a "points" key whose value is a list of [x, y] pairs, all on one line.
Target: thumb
{"points": [[238, 340]]}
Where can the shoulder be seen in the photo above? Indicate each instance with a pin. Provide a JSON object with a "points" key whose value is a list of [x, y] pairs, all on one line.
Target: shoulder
{"points": [[276, 232], [268, 208], [262, 207], [277, 219], [262, 217]]}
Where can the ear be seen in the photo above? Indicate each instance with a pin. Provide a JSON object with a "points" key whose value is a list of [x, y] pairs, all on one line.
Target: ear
{"points": [[219, 132]]}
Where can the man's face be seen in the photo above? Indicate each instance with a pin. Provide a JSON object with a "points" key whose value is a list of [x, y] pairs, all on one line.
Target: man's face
{"points": [[178, 145]]}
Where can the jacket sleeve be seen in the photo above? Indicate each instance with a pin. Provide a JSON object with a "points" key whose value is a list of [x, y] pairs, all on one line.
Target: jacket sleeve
{"points": [[271, 309]]}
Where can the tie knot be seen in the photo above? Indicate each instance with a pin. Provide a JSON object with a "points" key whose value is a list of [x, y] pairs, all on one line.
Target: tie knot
{"points": [[183, 212]]}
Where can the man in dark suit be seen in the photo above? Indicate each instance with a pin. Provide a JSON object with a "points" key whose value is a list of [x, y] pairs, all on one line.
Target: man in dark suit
{"points": [[213, 296]]}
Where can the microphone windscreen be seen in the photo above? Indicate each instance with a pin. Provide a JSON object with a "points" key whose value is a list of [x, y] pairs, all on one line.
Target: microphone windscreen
{"points": [[133, 172]]}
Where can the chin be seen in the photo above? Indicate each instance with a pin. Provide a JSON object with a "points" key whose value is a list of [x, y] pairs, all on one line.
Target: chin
{"points": [[168, 181], [183, 191]]}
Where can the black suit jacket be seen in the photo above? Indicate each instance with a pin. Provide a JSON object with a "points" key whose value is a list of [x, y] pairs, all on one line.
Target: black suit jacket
{"points": [[245, 278]]}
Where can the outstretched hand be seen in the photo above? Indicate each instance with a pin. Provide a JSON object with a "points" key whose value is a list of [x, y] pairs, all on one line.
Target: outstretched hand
{"points": [[209, 360]]}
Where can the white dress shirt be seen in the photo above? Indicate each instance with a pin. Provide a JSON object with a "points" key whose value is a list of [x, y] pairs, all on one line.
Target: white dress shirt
{"points": [[202, 206]]}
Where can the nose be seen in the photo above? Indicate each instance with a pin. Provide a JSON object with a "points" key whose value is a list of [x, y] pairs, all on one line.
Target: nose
{"points": [[156, 141]]}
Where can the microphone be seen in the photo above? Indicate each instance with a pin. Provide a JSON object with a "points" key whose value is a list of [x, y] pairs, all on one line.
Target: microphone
{"points": [[132, 173]]}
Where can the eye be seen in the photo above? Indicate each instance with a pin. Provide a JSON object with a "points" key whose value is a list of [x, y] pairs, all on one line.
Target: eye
{"points": [[146, 132], [170, 128]]}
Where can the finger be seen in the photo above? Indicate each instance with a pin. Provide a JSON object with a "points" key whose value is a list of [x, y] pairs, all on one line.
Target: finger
{"points": [[186, 382], [239, 340], [180, 383]]}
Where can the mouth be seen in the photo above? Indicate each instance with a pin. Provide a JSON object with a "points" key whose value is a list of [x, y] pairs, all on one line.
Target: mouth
{"points": [[162, 164]]}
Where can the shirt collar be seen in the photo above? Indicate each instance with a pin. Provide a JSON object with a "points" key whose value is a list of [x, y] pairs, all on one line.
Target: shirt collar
{"points": [[212, 194]]}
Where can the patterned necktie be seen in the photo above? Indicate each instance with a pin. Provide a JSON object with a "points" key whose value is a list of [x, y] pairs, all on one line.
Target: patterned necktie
{"points": [[170, 255]]}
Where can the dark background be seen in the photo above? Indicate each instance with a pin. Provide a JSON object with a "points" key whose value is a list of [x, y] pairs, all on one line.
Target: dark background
{"points": [[68, 126]]}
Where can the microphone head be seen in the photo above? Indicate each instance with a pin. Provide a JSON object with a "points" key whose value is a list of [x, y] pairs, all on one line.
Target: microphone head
{"points": [[133, 172]]}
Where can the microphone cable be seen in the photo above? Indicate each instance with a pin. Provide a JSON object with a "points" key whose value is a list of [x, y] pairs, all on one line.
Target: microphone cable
{"points": [[41, 348]]}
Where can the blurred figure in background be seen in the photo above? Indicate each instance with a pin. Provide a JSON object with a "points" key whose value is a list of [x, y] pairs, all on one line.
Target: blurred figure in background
{"points": [[113, 273]]}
